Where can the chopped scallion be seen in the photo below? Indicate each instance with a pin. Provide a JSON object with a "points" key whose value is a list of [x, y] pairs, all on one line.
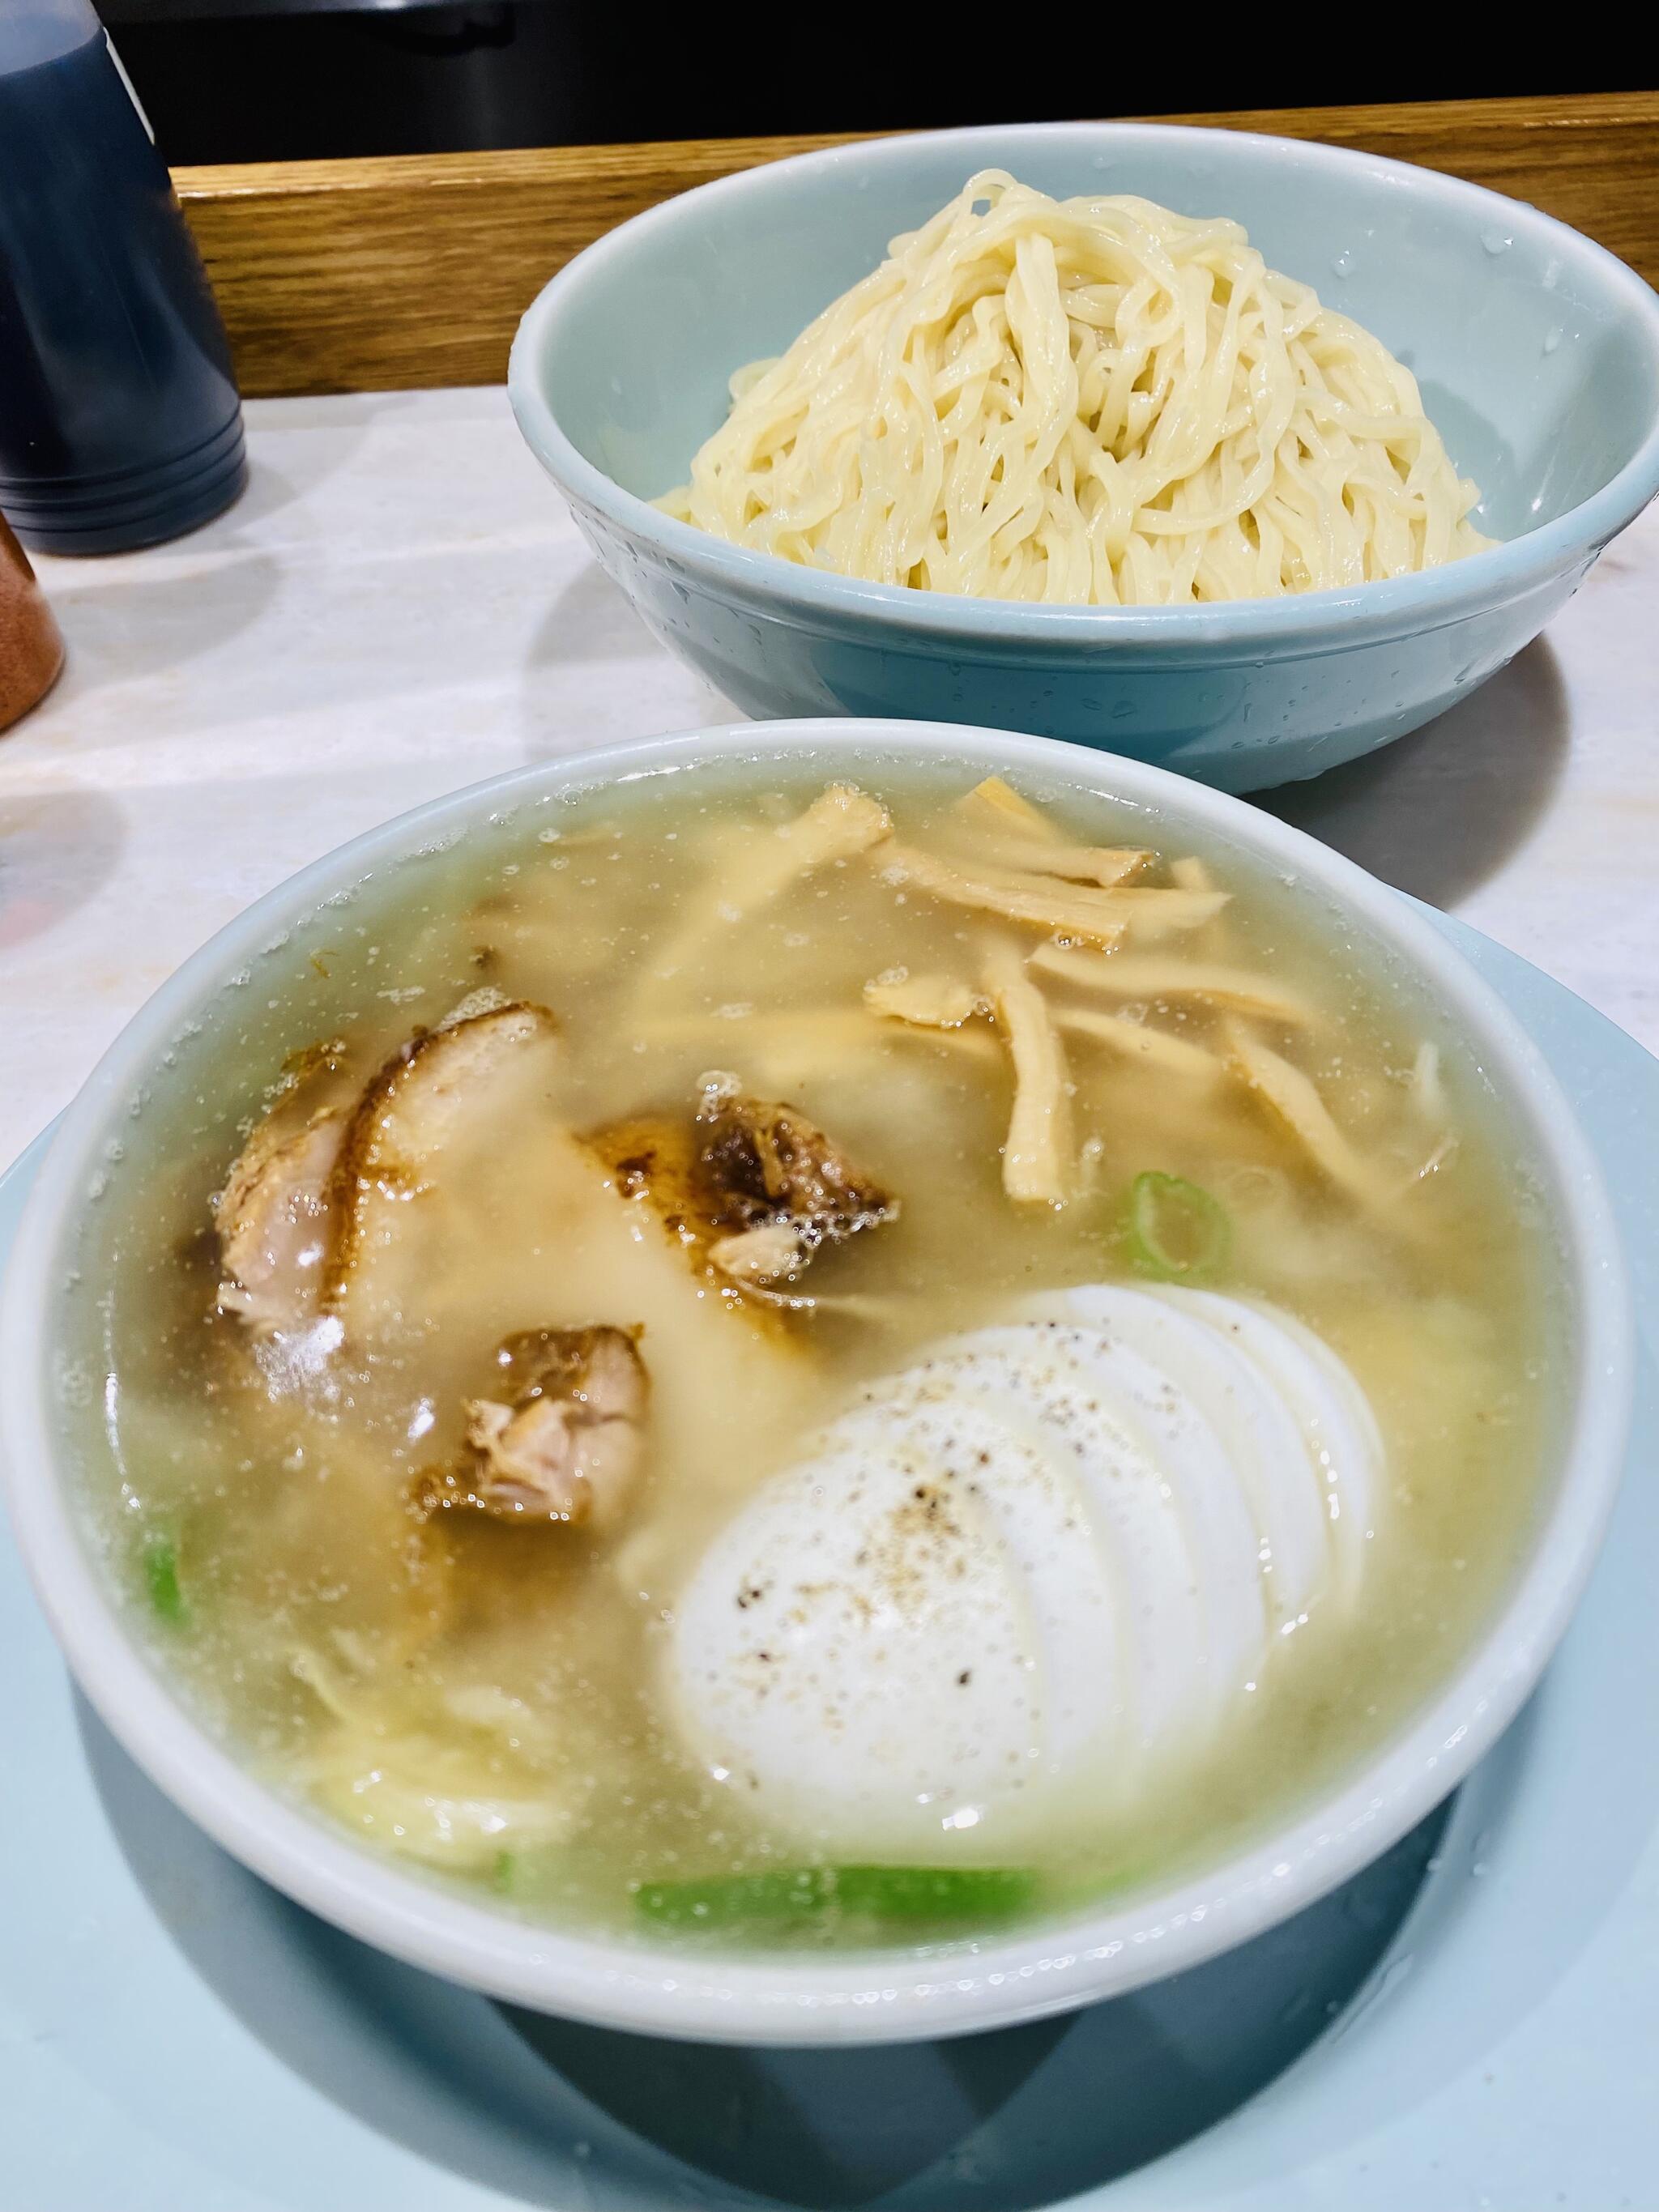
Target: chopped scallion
{"points": [[1175, 1230], [882, 1892], [904, 1893], [159, 1560]]}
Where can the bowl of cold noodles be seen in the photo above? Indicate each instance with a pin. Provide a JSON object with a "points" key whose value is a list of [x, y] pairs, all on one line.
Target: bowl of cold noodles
{"points": [[815, 1383], [1234, 454]]}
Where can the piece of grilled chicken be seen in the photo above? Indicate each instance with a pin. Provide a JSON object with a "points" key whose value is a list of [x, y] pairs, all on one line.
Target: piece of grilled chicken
{"points": [[750, 1187], [296, 1208], [275, 1221], [560, 1435], [316, 1223]]}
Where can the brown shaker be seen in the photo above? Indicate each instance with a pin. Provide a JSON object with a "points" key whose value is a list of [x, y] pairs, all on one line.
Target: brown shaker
{"points": [[31, 649]]}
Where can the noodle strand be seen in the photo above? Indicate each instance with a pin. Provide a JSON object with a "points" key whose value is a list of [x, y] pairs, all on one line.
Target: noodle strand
{"points": [[1092, 401]]}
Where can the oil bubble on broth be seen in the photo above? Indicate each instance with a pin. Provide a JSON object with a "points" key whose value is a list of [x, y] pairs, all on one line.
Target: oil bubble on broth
{"points": [[748, 1359]]}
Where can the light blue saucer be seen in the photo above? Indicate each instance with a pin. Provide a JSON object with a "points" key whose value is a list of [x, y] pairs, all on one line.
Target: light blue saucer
{"points": [[1474, 2023]]}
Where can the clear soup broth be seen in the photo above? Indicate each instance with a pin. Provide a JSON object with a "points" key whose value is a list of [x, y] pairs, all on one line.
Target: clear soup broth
{"points": [[421, 1468]]}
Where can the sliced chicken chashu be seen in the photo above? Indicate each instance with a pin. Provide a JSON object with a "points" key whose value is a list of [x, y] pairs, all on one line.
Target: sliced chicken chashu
{"points": [[750, 1188], [560, 1435], [651, 1160], [276, 1222], [515, 1234], [654, 1164], [305, 1194], [767, 1164], [435, 1100], [460, 1212]]}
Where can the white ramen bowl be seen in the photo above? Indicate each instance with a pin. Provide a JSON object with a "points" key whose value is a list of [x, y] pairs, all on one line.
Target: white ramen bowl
{"points": [[821, 1997]]}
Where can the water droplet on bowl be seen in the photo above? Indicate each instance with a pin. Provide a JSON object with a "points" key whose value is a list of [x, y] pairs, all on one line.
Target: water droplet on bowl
{"points": [[1552, 337], [1343, 262], [1495, 241]]}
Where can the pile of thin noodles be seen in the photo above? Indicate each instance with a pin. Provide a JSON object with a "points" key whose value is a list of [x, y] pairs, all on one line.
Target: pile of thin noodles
{"points": [[1084, 401]]}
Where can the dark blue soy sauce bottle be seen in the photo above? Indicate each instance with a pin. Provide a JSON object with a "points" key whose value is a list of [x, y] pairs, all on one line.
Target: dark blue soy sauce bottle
{"points": [[119, 423]]}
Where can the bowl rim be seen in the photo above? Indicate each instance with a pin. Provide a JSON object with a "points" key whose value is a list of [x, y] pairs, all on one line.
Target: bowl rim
{"points": [[1302, 624], [855, 1996]]}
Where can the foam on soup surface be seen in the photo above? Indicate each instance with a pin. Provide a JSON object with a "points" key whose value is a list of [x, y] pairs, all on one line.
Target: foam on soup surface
{"points": [[804, 1364]]}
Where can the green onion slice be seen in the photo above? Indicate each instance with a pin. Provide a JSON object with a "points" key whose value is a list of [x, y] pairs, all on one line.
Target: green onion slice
{"points": [[1175, 1230], [902, 1892], [883, 1893], [160, 1562]]}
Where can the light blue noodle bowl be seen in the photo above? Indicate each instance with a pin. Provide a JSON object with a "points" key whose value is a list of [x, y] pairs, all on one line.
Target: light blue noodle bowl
{"points": [[1537, 352]]}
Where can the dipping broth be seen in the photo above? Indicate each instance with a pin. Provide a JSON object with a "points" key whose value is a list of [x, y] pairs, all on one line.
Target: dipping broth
{"points": [[663, 1513]]}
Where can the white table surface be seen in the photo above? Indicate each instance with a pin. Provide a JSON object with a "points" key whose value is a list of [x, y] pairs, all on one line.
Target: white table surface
{"points": [[400, 604]]}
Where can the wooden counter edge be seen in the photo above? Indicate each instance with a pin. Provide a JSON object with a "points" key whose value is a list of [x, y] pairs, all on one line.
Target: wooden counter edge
{"points": [[413, 270]]}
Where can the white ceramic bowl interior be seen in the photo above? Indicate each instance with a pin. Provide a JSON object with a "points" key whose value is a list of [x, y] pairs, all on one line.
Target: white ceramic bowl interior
{"points": [[821, 1998]]}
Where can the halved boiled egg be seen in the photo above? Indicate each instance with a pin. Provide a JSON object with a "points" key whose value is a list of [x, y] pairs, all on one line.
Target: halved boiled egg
{"points": [[1030, 1572]]}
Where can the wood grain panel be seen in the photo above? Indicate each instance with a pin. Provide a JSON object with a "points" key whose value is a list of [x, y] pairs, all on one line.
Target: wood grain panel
{"points": [[413, 270]]}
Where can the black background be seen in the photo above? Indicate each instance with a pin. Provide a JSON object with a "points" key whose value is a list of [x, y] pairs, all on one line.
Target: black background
{"points": [[252, 79]]}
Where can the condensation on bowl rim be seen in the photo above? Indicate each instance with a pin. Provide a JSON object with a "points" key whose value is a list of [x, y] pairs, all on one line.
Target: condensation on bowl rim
{"points": [[1400, 606], [854, 1997]]}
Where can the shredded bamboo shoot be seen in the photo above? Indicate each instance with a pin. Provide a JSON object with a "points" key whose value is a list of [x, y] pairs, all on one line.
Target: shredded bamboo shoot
{"points": [[1155, 1048], [1037, 1154], [1150, 978], [1294, 1098], [933, 1002]]}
